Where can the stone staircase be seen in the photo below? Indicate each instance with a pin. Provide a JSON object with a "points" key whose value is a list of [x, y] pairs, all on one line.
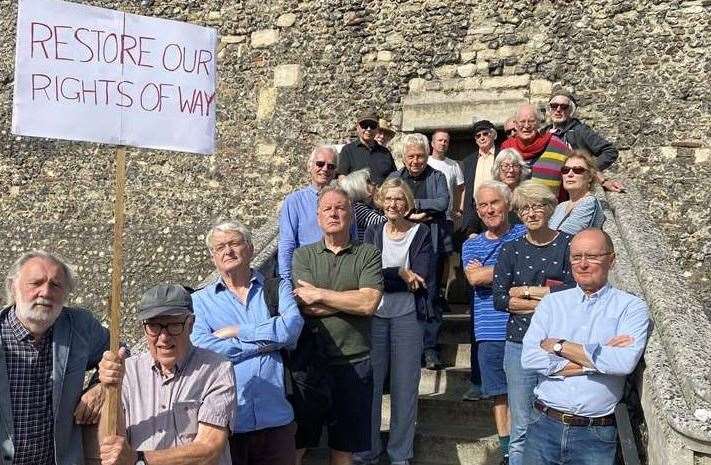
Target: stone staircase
{"points": [[449, 431]]}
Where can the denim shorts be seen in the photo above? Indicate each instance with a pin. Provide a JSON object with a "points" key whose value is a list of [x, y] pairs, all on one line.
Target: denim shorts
{"points": [[491, 365]]}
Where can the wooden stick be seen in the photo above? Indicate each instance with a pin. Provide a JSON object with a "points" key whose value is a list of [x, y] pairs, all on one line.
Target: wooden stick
{"points": [[112, 394]]}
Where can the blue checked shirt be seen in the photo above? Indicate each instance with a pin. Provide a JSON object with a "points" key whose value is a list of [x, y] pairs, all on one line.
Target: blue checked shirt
{"points": [[254, 353], [29, 372], [589, 320]]}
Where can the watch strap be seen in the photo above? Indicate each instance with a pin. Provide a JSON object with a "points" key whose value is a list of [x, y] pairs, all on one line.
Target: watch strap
{"points": [[140, 458], [561, 342]]}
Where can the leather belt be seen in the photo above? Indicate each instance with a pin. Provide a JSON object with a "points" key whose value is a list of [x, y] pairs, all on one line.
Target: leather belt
{"points": [[574, 420]]}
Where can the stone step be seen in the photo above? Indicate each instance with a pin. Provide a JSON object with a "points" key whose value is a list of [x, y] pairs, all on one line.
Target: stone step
{"points": [[459, 309], [456, 355], [455, 329], [441, 409], [453, 381]]}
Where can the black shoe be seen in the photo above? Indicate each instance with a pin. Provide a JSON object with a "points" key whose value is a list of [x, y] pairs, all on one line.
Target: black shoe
{"points": [[432, 361]]}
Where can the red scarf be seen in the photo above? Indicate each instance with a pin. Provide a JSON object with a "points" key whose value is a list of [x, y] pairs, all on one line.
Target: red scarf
{"points": [[528, 152]]}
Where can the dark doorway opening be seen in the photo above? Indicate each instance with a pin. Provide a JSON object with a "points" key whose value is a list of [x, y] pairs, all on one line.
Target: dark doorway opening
{"points": [[461, 142]]}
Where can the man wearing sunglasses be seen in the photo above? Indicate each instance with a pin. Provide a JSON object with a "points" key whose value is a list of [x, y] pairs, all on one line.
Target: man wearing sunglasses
{"points": [[366, 152], [176, 399], [578, 135]]}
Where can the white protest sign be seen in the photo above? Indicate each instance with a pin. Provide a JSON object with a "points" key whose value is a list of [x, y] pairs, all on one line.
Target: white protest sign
{"points": [[99, 75]]}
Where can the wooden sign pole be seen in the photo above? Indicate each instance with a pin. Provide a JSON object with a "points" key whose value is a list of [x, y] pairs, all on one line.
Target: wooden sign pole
{"points": [[112, 394]]}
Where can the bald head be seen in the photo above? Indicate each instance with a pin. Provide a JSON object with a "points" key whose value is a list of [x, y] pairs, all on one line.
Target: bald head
{"points": [[598, 236], [591, 257]]}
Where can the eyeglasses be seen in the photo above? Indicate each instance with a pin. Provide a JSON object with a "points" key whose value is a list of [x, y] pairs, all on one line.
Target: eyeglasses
{"points": [[510, 167], [396, 200], [479, 135], [559, 106], [574, 169], [321, 164], [510, 132], [592, 258], [527, 123], [232, 245], [526, 209], [368, 125], [172, 328]]}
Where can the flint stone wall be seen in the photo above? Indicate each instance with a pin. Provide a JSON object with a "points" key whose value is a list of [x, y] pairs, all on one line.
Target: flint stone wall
{"points": [[292, 74]]}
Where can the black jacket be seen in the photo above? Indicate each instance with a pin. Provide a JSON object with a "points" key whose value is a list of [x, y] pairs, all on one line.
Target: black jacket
{"points": [[421, 262], [470, 220], [581, 136]]}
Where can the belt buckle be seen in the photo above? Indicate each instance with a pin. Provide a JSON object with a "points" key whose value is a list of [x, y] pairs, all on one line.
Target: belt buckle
{"points": [[563, 418]]}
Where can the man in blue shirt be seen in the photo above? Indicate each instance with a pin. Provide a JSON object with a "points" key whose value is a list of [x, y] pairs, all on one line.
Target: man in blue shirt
{"points": [[479, 255], [232, 318], [297, 219], [583, 342]]}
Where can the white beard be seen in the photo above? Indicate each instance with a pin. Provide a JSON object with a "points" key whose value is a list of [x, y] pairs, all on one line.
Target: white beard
{"points": [[36, 315]]}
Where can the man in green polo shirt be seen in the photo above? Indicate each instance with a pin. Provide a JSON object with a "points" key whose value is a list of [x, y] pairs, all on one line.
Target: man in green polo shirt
{"points": [[338, 285]]}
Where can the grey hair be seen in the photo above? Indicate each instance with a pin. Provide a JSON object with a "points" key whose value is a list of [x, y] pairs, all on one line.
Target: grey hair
{"points": [[233, 226], [511, 155], [14, 273], [333, 187], [356, 184], [498, 186], [536, 111], [417, 139], [573, 105], [320, 148]]}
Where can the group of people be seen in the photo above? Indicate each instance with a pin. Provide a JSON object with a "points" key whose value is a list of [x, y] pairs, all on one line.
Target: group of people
{"points": [[249, 369]]}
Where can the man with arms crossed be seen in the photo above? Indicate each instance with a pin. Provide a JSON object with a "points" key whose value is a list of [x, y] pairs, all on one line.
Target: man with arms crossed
{"points": [[338, 285], [583, 342]]}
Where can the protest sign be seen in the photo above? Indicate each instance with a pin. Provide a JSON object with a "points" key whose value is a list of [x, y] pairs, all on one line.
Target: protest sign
{"points": [[99, 75]]}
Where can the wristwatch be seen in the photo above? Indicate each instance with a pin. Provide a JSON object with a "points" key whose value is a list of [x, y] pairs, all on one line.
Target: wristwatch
{"points": [[526, 293], [140, 458], [558, 347]]}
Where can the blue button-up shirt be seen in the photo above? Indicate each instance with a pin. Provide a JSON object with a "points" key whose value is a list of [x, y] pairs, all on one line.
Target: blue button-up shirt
{"points": [[589, 320], [254, 353]]}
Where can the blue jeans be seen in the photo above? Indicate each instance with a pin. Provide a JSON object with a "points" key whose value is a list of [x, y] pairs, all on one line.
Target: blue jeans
{"points": [[551, 442], [396, 343], [520, 384]]}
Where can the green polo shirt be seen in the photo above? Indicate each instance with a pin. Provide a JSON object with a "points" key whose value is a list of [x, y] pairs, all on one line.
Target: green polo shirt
{"points": [[345, 337]]}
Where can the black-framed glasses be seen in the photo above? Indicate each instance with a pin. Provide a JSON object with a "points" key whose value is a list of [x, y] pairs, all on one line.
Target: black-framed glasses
{"points": [[321, 164], [481, 134], [174, 328], [574, 169], [368, 125]]}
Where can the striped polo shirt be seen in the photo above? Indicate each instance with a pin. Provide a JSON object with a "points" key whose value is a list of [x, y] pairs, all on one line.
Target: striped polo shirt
{"points": [[489, 324]]}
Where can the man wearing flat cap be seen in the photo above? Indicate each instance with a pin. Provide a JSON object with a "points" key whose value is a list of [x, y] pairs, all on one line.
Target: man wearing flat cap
{"points": [[366, 152], [578, 135], [177, 399]]}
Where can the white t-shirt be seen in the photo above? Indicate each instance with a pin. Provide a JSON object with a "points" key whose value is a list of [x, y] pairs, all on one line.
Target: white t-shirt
{"points": [[453, 172]]}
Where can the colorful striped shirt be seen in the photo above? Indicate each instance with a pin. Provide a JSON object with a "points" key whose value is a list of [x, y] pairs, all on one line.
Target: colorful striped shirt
{"points": [[546, 169], [489, 324]]}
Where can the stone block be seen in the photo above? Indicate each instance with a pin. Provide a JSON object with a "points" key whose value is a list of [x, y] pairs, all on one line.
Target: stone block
{"points": [[286, 20], [702, 155], [541, 87], [452, 84], [486, 54], [287, 76], [230, 39], [214, 15], [445, 71], [266, 150], [506, 82], [505, 51], [482, 30], [395, 39], [668, 153], [266, 103], [385, 55], [369, 57], [417, 85], [466, 70], [264, 38], [466, 57]]}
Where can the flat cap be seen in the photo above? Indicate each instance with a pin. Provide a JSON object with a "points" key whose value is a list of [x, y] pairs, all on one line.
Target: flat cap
{"points": [[369, 115], [564, 92], [483, 125], [165, 300]]}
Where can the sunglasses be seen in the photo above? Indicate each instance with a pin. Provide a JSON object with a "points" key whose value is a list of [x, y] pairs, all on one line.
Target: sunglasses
{"points": [[482, 134], [559, 106], [368, 125], [321, 164], [574, 169]]}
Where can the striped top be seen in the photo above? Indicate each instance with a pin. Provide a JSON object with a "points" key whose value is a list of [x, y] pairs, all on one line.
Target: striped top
{"points": [[546, 168], [586, 214], [489, 324]]}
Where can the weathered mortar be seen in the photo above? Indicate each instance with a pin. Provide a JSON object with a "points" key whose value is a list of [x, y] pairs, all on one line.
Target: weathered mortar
{"points": [[296, 73]]}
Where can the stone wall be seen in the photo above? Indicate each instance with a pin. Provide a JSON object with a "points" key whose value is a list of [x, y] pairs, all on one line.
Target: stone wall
{"points": [[295, 73]]}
